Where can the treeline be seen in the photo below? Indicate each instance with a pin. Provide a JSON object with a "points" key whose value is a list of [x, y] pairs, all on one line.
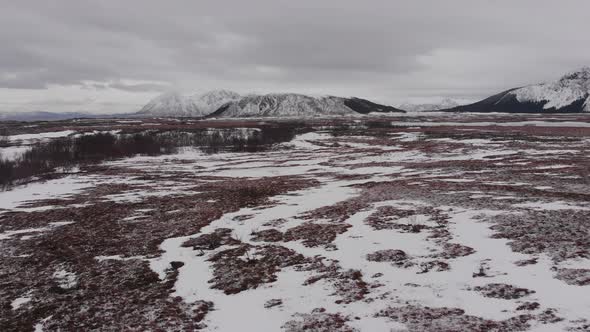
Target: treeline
{"points": [[4, 139], [242, 140], [68, 152]]}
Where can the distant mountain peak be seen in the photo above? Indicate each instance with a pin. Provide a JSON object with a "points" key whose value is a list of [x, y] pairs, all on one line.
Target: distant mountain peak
{"points": [[436, 106], [173, 103], [217, 93], [170, 103], [568, 94], [570, 88], [579, 74]]}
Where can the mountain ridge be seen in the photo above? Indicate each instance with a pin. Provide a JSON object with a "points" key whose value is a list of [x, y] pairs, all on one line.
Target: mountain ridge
{"points": [[298, 105], [569, 94], [173, 103]]}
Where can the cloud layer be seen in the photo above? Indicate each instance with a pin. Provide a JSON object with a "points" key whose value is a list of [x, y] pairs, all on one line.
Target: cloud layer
{"points": [[387, 50]]}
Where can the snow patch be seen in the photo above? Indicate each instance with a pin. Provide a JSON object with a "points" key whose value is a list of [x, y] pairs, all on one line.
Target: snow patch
{"points": [[20, 301], [65, 279]]}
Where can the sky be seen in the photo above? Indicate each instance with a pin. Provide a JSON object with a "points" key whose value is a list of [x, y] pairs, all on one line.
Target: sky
{"points": [[112, 56]]}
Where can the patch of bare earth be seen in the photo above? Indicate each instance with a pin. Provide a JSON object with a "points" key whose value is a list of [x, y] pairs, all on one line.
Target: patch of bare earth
{"points": [[503, 291], [349, 284], [219, 237], [311, 234], [578, 277], [562, 234], [247, 267], [394, 256], [426, 319], [318, 321]]}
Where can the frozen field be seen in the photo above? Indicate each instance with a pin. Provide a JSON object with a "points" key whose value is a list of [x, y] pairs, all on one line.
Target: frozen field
{"points": [[399, 224]]}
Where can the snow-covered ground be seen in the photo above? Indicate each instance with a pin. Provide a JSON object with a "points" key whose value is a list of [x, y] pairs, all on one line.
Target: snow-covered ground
{"points": [[13, 152], [451, 288], [348, 232], [33, 137], [566, 124]]}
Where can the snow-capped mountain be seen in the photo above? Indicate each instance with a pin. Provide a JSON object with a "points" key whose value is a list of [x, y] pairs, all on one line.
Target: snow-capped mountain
{"points": [[443, 104], [571, 88], [569, 94], [171, 104], [209, 102], [175, 104], [297, 105], [283, 104]]}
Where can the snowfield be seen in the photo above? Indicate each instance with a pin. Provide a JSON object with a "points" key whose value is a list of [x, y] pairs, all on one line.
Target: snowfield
{"points": [[393, 225]]}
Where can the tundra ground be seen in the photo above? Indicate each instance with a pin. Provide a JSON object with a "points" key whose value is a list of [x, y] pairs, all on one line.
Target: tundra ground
{"points": [[473, 224]]}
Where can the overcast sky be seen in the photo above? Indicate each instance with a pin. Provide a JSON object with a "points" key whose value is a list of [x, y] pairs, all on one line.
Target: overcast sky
{"points": [[113, 55]]}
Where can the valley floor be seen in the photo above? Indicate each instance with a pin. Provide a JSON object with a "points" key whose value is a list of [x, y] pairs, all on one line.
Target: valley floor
{"points": [[385, 225]]}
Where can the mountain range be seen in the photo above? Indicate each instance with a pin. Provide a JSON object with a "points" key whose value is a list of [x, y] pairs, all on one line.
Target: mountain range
{"points": [[297, 105], [228, 104], [569, 94]]}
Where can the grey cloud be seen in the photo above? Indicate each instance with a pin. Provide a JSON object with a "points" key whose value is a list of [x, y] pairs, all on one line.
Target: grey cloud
{"points": [[374, 47], [140, 87]]}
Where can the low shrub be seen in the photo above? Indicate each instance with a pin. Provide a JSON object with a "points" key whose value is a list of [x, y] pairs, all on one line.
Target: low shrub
{"points": [[4, 138], [68, 152]]}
